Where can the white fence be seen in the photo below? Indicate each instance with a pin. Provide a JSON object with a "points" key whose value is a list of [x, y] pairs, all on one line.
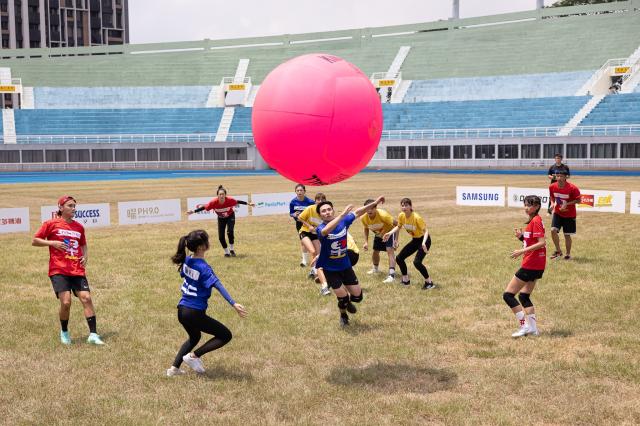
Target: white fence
{"points": [[128, 165]]}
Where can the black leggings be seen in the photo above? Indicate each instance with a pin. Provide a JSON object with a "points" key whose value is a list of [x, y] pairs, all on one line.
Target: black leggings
{"points": [[229, 223], [195, 322], [412, 246]]}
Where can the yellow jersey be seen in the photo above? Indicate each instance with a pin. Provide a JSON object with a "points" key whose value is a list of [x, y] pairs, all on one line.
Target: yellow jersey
{"points": [[381, 223], [414, 224], [351, 244], [311, 216]]}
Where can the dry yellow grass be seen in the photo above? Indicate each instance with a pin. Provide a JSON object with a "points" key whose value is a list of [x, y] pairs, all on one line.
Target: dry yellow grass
{"points": [[409, 357]]}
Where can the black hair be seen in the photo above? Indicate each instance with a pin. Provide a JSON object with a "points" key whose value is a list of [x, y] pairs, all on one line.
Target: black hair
{"points": [[369, 201], [406, 201], [320, 196], [558, 155], [221, 188], [191, 241], [533, 200], [323, 203], [304, 188]]}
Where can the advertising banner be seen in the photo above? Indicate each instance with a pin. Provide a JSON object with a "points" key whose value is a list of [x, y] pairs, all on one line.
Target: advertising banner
{"points": [[193, 203], [149, 211], [274, 203], [515, 196], [480, 196], [89, 215], [635, 203], [14, 220], [597, 200]]}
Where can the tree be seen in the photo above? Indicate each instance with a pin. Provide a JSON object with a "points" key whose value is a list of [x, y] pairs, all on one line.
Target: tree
{"points": [[563, 3]]}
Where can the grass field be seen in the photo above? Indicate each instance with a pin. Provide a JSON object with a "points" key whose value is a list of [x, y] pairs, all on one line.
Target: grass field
{"points": [[409, 357]]}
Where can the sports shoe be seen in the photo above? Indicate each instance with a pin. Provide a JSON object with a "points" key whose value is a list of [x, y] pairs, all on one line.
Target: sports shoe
{"points": [[373, 271], [523, 331], [171, 372], [344, 320], [311, 274], [194, 363], [94, 339], [233, 253], [428, 286], [325, 291], [389, 279], [406, 283], [567, 257], [303, 264], [556, 255], [227, 255], [65, 338], [534, 333]]}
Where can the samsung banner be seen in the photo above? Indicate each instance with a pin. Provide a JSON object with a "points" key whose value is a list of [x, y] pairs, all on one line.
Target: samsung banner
{"points": [[150, 211], [241, 210], [596, 200], [515, 196], [275, 203], [635, 203], [14, 220], [480, 196], [89, 215]]}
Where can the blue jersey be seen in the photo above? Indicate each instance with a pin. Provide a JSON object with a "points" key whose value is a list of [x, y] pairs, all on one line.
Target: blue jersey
{"points": [[199, 278], [297, 206], [333, 247]]}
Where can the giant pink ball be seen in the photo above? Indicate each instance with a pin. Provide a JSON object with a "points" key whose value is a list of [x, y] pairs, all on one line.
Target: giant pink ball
{"points": [[317, 119]]}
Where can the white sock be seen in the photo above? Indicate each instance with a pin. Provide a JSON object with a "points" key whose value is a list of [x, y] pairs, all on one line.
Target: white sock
{"points": [[226, 250], [230, 246], [392, 272], [314, 270], [531, 319], [305, 257], [375, 267], [520, 318]]}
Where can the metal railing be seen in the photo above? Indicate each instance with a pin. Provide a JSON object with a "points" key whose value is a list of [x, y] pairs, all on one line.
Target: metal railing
{"points": [[425, 134], [129, 165]]}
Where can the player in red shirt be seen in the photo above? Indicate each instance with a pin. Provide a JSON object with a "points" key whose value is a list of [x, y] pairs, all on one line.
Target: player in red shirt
{"points": [[223, 206], [532, 268], [564, 196], [67, 260]]}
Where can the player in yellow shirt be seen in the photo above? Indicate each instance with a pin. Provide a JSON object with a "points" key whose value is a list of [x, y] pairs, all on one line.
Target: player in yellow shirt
{"points": [[380, 222], [352, 250], [310, 219], [420, 243]]}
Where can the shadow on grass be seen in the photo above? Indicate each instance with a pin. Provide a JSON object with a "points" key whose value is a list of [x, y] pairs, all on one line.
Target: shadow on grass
{"points": [[560, 333], [395, 378], [355, 328], [221, 373]]}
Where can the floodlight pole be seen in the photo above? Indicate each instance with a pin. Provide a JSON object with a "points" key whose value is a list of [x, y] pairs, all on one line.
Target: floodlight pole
{"points": [[455, 13]]}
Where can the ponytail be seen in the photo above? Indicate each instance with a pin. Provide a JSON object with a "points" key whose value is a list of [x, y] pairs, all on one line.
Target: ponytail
{"points": [[191, 241], [181, 253]]}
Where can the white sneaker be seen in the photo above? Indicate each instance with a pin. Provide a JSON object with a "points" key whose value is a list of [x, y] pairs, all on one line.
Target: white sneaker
{"points": [[523, 331], [171, 372], [194, 363], [94, 339], [325, 291], [389, 280], [373, 271], [534, 333]]}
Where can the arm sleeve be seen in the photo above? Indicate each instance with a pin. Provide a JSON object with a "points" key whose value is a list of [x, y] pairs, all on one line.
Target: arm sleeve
{"points": [[550, 170], [538, 229], [568, 172], [83, 238], [212, 280], [241, 202], [348, 220], [575, 194], [210, 205], [291, 209], [304, 215], [43, 231]]}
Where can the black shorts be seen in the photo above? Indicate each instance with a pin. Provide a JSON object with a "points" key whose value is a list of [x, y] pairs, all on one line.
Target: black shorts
{"points": [[74, 284], [336, 279], [310, 235], [353, 257], [567, 224], [379, 245], [528, 275], [298, 226]]}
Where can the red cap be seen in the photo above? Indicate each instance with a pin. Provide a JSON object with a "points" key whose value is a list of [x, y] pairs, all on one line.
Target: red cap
{"points": [[64, 199]]}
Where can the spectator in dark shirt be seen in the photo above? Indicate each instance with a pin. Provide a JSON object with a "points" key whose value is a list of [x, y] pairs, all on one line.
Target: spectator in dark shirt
{"points": [[553, 170]]}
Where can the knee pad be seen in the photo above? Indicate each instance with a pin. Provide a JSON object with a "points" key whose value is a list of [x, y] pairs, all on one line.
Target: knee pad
{"points": [[510, 299], [357, 299], [524, 300], [343, 302]]}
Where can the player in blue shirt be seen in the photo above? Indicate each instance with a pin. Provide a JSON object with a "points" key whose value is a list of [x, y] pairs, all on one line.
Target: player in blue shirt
{"points": [[198, 279], [296, 206], [333, 258]]}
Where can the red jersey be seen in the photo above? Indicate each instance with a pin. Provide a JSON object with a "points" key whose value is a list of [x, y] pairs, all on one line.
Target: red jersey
{"points": [[567, 193], [222, 209], [64, 262], [535, 259]]}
